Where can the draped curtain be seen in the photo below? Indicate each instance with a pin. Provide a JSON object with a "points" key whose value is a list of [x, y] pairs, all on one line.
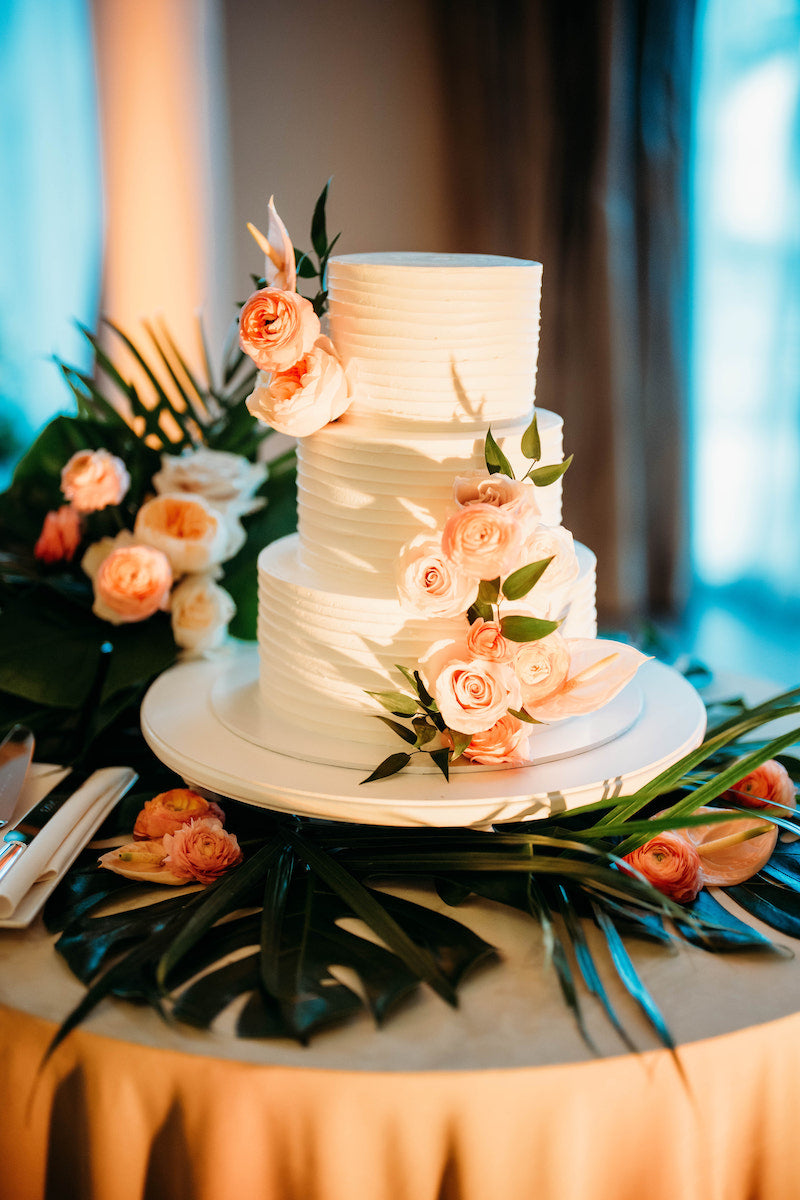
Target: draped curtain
{"points": [[569, 135]]}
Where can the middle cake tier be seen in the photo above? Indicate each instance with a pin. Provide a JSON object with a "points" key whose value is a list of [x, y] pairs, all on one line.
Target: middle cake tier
{"points": [[363, 493]]}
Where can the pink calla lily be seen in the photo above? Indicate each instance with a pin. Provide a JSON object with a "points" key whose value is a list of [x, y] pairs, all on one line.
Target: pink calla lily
{"points": [[598, 671], [279, 264]]}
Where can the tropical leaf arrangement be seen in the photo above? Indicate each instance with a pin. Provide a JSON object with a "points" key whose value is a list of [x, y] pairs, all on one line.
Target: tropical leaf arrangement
{"points": [[268, 932], [67, 670]]}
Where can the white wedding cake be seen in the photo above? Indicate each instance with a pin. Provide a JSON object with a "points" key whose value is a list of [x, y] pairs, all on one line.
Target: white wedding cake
{"points": [[437, 349]]}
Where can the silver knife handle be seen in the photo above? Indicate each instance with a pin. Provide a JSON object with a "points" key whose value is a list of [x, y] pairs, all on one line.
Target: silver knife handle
{"points": [[9, 853]]}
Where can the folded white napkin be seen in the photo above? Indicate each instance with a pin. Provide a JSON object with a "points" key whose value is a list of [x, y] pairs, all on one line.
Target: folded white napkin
{"points": [[33, 876]]}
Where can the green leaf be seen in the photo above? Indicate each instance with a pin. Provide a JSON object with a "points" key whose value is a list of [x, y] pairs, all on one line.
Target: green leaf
{"points": [[521, 715], [442, 760], [304, 266], [396, 702], [425, 731], [460, 743], [496, 461], [531, 445], [402, 731], [630, 979], [520, 582], [480, 612], [526, 629], [278, 880], [319, 233], [544, 476], [488, 591], [389, 766]]}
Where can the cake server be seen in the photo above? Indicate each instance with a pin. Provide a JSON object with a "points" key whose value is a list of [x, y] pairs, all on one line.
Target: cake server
{"points": [[16, 840], [16, 751]]}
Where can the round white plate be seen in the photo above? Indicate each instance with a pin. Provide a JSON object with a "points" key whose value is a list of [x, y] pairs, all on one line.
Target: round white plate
{"points": [[181, 726], [236, 701]]}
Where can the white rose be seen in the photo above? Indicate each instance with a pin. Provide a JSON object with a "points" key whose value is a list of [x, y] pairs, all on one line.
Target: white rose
{"points": [[226, 480], [550, 594], [201, 611], [306, 396], [429, 585], [193, 535]]}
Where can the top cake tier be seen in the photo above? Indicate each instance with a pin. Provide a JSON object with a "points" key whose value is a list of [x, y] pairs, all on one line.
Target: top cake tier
{"points": [[437, 338]]}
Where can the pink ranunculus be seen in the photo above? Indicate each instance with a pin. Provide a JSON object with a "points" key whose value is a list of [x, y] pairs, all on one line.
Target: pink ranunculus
{"points": [[201, 850], [60, 536], [305, 396], [428, 584], [542, 668], [514, 495], [483, 540], [193, 535], [471, 694], [167, 811], [671, 863], [485, 640], [598, 671], [768, 784], [93, 479], [277, 328], [131, 584], [506, 744]]}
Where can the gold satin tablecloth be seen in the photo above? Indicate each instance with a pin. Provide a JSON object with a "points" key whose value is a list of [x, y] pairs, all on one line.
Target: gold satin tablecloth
{"points": [[498, 1100]]}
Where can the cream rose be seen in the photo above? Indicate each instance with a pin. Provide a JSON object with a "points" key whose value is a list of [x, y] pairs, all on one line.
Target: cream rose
{"points": [[227, 481], [93, 479], [201, 850], [306, 396], [485, 640], [277, 328], [427, 584], [483, 540], [541, 668], [472, 695], [200, 612], [672, 864], [193, 535], [506, 743], [514, 495], [550, 594], [60, 536], [131, 583], [167, 811]]}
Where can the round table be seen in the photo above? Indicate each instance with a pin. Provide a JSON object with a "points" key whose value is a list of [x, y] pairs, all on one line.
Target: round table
{"points": [[499, 1100]]}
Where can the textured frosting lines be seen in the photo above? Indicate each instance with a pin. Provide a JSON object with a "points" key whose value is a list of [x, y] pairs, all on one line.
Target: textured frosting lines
{"points": [[363, 496], [438, 338]]}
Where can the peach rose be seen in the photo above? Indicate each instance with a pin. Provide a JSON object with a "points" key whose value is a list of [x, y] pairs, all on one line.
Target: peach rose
{"points": [[60, 536], [671, 863], [201, 850], [276, 328], [167, 811], [200, 612], [93, 479], [193, 535], [483, 540], [514, 495], [305, 396], [429, 585], [541, 668], [768, 784], [227, 481], [485, 640], [472, 695], [131, 584], [505, 743]]}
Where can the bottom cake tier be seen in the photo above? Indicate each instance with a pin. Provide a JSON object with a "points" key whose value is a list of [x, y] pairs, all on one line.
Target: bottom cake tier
{"points": [[322, 650]]}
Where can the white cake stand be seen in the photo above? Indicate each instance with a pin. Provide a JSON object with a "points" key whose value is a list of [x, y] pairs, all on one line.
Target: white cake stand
{"points": [[182, 727]]}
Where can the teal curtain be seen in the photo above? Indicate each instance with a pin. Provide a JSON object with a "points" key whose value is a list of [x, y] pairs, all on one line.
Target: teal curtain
{"points": [[50, 209]]}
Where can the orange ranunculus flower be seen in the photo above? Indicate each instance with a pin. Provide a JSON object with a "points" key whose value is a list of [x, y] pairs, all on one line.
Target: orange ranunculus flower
{"points": [[169, 810], [768, 784], [672, 864], [201, 850], [93, 479], [60, 536], [277, 328], [132, 584]]}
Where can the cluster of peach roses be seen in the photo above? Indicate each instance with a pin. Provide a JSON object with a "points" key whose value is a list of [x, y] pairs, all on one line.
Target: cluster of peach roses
{"points": [[171, 558], [301, 383], [493, 685], [681, 862], [178, 839]]}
